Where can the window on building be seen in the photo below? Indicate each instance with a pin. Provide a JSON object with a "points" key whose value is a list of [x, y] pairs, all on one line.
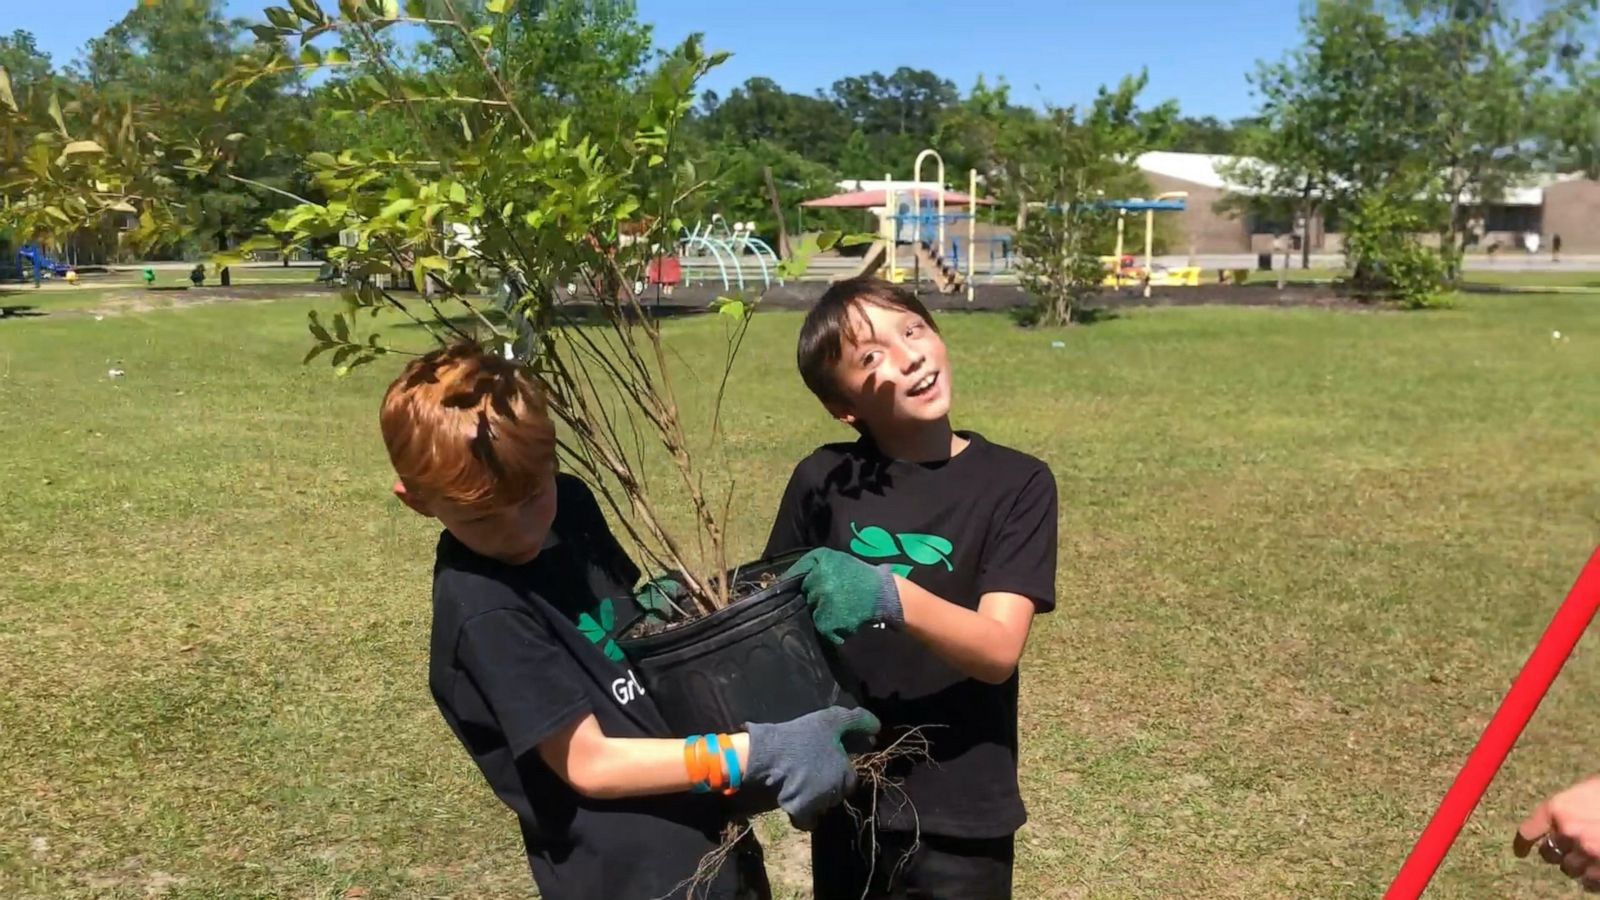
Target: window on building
{"points": [[1263, 223], [1512, 218]]}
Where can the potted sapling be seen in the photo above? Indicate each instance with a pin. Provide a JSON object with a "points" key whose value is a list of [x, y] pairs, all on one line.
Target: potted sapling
{"points": [[498, 220]]}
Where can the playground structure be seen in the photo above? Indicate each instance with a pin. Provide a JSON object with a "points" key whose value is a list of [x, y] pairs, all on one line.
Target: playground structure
{"points": [[724, 249], [1121, 268], [1151, 274], [41, 264], [928, 221]]}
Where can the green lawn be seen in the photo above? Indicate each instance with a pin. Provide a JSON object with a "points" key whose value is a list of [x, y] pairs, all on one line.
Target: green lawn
{"points": [[1477, 274], [1302, 554]]}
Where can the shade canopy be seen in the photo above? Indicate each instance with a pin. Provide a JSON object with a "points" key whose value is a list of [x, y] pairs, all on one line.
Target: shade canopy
{"points": [[870, 199]]}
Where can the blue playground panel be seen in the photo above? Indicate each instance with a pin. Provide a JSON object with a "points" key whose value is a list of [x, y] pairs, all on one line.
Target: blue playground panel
{"points": [[40, 262]]}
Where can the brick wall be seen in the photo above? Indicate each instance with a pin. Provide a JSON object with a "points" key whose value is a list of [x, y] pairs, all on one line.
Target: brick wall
{"points": [[1200, 225], [1572, 210]]}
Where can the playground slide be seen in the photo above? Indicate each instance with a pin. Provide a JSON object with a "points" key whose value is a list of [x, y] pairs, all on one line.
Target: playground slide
{"points": [[877, 255], [945, 277]]}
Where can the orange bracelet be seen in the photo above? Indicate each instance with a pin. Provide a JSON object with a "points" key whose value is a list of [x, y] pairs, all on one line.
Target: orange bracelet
{"points": [[712, 762], [694, 762]]}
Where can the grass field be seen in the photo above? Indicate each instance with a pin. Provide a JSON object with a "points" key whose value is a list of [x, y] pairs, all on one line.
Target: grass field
{"points": [[1477, 275], [1302, 553]]}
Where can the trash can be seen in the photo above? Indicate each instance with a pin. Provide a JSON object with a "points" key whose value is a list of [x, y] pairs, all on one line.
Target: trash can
{"points": [[1264, 262]]}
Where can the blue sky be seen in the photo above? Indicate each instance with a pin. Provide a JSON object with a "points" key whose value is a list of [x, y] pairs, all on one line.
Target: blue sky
{"points": [[1197, 51]]}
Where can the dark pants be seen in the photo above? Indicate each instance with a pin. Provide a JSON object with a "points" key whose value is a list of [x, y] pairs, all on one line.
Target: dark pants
{"points": [[906, 867], [751, 863]]}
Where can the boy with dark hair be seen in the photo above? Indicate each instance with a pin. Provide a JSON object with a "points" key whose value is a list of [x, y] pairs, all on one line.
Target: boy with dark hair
{"points": [[530, 590], [937, 549]]}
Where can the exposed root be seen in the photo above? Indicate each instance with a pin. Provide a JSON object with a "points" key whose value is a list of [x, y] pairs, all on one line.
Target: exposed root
{"points": [[711, 864], [872, 771]]}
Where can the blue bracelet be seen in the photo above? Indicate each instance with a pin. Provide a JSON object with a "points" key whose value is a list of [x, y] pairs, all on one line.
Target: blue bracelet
{"points": [[702, 786], [735, 777], [714, 749]]}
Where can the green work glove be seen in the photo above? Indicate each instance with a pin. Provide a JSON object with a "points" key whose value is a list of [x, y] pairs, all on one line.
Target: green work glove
{"points": [[845, 593], [658, 597], [804, 760]]}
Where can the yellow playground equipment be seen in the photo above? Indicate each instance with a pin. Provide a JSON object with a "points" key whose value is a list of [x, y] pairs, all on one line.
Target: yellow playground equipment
{"points": [[1122, 270]]}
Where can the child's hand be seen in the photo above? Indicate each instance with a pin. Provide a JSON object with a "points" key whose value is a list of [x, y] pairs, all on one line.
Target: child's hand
{"points": [[845, 593], [805, 760], [659, 597], [1566, 829]]}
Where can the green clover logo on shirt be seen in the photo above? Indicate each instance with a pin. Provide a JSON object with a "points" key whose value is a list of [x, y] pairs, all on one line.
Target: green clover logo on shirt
{"points": [[599, 631], [873, 542]]}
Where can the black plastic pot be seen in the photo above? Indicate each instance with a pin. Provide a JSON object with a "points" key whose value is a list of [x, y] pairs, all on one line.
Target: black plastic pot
{"points": [[758, 660]]}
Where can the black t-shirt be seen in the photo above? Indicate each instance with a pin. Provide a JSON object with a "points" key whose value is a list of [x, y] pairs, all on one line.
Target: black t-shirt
{"points": [[519, 652], [980, 522]]}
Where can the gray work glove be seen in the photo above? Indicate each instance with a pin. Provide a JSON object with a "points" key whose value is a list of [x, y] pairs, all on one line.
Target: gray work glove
{"points": [[805, 761]]}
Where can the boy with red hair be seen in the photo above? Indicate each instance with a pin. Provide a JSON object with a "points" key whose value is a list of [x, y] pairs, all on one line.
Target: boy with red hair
{"points": [[530, 590]]}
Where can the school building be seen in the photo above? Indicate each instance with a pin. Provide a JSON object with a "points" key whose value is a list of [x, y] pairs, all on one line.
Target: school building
{"points": [[1549, 205]]}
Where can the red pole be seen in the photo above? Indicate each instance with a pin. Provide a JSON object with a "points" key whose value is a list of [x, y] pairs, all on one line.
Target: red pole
{"points": [[1515, 710]]}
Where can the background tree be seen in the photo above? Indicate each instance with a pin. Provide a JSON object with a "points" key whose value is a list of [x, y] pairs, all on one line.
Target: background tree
{"points": [[72, 163], [1204, 134], [987, 132], [1073, 166], [163, 59]]}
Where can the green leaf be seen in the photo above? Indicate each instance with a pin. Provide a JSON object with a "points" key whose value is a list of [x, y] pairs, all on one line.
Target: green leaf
{"points": [[397, 208], [434, 263], [466, 128], [733, 309], [317, 330], [417, 9], [341, 328], [76, 148], [282, 18], [873, 542], [310, 56], [308, 10], [55, 114], [901, 569], [458, 192], [828, 239], [497, 6], [322, 159], [855, 240], [314, 353], [6, 97], [259, 242], [336, 56], [928, 549]]}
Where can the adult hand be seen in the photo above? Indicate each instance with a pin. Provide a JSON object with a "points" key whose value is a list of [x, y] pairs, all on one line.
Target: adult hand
{"points": [[845, 593], [805, 760], [1566, 831]]}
